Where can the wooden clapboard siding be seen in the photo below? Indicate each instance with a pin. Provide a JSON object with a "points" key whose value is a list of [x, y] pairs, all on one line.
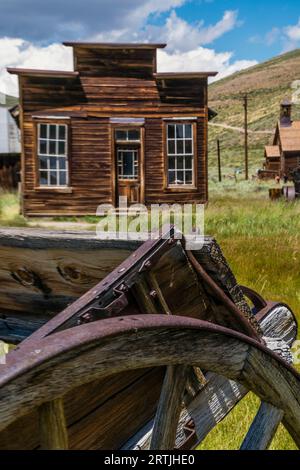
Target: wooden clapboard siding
{"points": [[110, 82], [90, 172], [129, 63], [155, 165]]}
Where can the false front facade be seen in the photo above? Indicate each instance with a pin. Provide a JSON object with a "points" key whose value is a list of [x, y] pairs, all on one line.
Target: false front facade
{"points": [[113, 127]]}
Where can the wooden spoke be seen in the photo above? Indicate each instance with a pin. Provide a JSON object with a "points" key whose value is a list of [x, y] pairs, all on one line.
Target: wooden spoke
{"points": [[263, 428], [53, 430], [169, 408]]}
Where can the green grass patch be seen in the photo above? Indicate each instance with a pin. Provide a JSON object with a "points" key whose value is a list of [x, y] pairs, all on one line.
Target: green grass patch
{"points": [[10, 210], [261, 240]]}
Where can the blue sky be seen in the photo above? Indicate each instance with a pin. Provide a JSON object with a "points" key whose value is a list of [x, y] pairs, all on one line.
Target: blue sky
{"points": [[257, 19], [217, 35]]}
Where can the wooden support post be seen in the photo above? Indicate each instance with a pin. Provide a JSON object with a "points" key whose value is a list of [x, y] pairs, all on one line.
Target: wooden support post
{"points": [[219, 161], [175, 381], [169, 408], [53, 429], [162, 301], [263, 428], [246, 136]]}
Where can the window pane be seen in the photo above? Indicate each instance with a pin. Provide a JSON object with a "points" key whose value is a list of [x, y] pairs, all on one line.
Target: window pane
{"points": [[188, 146], [43, 163], [52, 163], [53, 178], [43, 131], [121, 135], [180, 147], [62, 163], [52, 133], [179, 178], [52, 147], [180, 163], [62, 132], [188, 163], [172, 177], [43, 178], [52, 142], [63, 178], [171, 131], [188, 131], [61, 148], [179, 131], [188, 177], [127, 163], [171, 147], [172, 163], [43, 147], [134, 134], [180, 152]]}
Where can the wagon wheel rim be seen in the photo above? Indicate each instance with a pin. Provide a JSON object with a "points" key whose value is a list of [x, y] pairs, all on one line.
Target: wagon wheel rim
{"points": [[47, 369]]}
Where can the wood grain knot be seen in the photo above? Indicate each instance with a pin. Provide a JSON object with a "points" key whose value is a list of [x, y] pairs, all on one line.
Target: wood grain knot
{"points": [[28, 278], [72, 273]]}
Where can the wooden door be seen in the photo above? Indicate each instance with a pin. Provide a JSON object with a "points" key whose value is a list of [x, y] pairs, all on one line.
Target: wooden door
{"points": [[128, 173]]}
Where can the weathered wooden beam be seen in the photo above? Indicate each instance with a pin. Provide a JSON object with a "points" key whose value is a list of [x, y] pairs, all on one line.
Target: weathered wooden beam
{"points": [[154, 283], [169, 408], [52, 424], [263, 428]]}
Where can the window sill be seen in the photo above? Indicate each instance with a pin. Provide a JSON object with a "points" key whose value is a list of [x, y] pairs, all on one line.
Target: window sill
{"points": [[181, 189], [56, 189]]}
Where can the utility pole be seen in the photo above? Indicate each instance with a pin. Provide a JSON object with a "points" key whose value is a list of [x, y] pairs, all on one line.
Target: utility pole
{"points": [[246, 136], [219, 161]]}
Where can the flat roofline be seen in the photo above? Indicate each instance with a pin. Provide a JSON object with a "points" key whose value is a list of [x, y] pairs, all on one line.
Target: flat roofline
{"points": [[109, 45], [178, 75], [42, 73]]}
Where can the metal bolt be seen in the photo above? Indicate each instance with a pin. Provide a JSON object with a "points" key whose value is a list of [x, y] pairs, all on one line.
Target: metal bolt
{"points": [[122, 287], [153, 294], [86, 318], [148, 264]]}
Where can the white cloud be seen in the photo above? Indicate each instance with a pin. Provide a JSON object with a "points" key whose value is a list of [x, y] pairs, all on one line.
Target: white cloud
{"points": [[58, 20], [288, 37], [273, 36], [15, 52], [185, 52], [293, 32], [201, 59], [178, 33]]}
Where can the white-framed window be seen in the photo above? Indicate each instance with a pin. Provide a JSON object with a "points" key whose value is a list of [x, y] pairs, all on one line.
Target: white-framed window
{"points": [[128, 164], [53, 154], [180, 150], [128, 135]]}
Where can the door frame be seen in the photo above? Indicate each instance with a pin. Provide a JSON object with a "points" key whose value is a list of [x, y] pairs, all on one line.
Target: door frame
{"points": [[114, 162]]}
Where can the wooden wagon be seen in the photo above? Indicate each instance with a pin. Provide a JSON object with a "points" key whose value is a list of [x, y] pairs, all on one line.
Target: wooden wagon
{"points": [[154, 355]]}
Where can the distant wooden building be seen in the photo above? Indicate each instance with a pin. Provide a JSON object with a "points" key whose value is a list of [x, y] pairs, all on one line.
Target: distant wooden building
{"points": [[283, 156], [113, 127], [10, 147]]}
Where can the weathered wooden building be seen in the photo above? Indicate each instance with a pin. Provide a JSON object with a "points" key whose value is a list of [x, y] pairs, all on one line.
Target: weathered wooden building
{"points": [[112, 127], [10, 148], [283, 156]]}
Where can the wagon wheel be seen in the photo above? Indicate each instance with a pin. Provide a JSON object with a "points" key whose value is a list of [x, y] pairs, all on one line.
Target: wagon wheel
{"points": [[55, 365]]}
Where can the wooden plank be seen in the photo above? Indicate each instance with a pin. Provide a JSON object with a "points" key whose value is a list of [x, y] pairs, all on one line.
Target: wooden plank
{"points": [[169, 408], [53, 430], [133, 394], [263, 428]]}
